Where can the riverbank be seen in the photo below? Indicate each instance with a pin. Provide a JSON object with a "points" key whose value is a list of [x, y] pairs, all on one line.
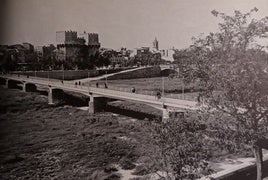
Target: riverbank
{"points": [[38, 140], [42, 141]]}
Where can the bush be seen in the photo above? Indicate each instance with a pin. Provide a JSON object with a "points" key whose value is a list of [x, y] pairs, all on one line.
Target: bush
{"points": [[102, 175], [141, 170], [126, 163]]}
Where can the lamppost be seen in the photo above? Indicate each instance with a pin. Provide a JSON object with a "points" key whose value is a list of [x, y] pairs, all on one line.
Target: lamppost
{"points": [[183, 87], [163, 90], [163, 86], [62, 73], [88, 81], [48, 73], [106, 77]]}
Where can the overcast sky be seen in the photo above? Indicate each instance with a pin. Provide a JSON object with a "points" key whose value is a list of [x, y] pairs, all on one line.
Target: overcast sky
{"points": [[120, 23]]}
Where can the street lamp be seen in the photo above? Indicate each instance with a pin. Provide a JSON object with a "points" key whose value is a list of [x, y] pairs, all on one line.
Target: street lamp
{"points": [[163, 86], [182, 88], [62, 73], [106, 77], [88, 81], [163, 90]]}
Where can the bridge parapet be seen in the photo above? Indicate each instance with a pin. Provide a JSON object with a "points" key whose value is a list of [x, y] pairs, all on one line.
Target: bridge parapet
{"points": [[108, 93]]}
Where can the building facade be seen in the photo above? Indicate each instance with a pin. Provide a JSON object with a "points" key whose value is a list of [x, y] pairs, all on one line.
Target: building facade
{"points": [[155, 45], [70, 44], [92, 41]]}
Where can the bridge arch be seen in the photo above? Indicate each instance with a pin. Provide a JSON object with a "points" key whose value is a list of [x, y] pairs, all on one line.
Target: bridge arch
{"points": [[55, 94], [29, 87], [15, 84], [167, 72]]}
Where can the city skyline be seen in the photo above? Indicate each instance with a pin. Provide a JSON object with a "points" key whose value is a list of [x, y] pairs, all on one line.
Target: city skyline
{"points": [[119, 23]]}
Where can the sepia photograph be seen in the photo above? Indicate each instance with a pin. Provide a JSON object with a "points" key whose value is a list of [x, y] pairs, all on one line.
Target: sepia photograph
{"points": [[134, 89]]}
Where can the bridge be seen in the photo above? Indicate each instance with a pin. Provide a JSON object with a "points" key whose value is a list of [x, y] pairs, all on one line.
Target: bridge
{"points": [[97, 96]]}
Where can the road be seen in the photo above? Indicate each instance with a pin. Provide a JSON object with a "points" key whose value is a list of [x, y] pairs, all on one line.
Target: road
{"points": [[106, 75]]}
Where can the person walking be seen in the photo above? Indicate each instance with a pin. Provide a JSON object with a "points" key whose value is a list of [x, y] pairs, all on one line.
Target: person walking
{"points": [[158, 95], [97, 85], [105, 85], [133, 90]]}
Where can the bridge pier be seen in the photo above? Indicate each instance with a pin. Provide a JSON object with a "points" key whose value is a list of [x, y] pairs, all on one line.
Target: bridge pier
{"points": [[53, 94], [6, 83], [96, 104], [3, 81], [12, 84], [28, 87], [172, 114]]}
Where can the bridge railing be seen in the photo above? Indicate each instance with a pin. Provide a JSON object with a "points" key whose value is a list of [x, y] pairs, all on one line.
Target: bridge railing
{"points": [[25, 77], [185, 96], [101, 91]]}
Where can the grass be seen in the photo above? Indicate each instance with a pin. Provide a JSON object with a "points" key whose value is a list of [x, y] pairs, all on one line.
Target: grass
{"points": [[39, 141], [173, 87]]}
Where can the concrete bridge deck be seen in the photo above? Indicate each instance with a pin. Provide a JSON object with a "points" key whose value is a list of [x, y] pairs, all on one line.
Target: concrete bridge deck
{"points": [[105, 92]]}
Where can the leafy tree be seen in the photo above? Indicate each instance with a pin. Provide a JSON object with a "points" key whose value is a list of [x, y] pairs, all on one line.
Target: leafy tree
{"points": [[178, 148], [101, 59], [229, 66]]}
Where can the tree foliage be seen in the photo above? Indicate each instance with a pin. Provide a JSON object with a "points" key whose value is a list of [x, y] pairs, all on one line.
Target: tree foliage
{"points": [[178, 149], [230, 68]]}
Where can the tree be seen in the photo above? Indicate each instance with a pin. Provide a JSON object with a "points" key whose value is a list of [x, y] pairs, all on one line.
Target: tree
{"points": [[229, 66], [177, 149]]}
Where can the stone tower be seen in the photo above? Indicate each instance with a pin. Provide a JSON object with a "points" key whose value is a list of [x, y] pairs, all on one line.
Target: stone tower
{"points": [[155, 44]]}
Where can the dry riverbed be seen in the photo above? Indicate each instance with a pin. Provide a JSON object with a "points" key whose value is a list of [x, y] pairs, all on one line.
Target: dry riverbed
{"points": [[39, 141], [42, 141]]}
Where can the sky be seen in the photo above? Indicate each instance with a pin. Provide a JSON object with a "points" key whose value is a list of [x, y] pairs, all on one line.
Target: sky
{"points": [[119, 23]]}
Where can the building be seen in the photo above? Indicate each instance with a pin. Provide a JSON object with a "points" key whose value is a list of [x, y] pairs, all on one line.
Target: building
{"points": [[69, 44], [120, 57], [167, 54], [28, 47], [155, 44], [92, 43], [145, 56]]}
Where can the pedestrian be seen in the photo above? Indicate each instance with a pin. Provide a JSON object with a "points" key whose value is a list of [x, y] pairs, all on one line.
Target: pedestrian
{"points": [[97, 85], [105, 85], [158, 94], [79, 83], [133, 90], [75, 84], [61, 81]]}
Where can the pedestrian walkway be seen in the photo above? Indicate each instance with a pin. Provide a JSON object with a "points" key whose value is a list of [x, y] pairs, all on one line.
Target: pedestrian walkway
{"points": [[107, 75], [231, 166]]}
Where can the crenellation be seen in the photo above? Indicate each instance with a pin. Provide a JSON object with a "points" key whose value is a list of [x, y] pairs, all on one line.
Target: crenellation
{"points": [[69, 44]]}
